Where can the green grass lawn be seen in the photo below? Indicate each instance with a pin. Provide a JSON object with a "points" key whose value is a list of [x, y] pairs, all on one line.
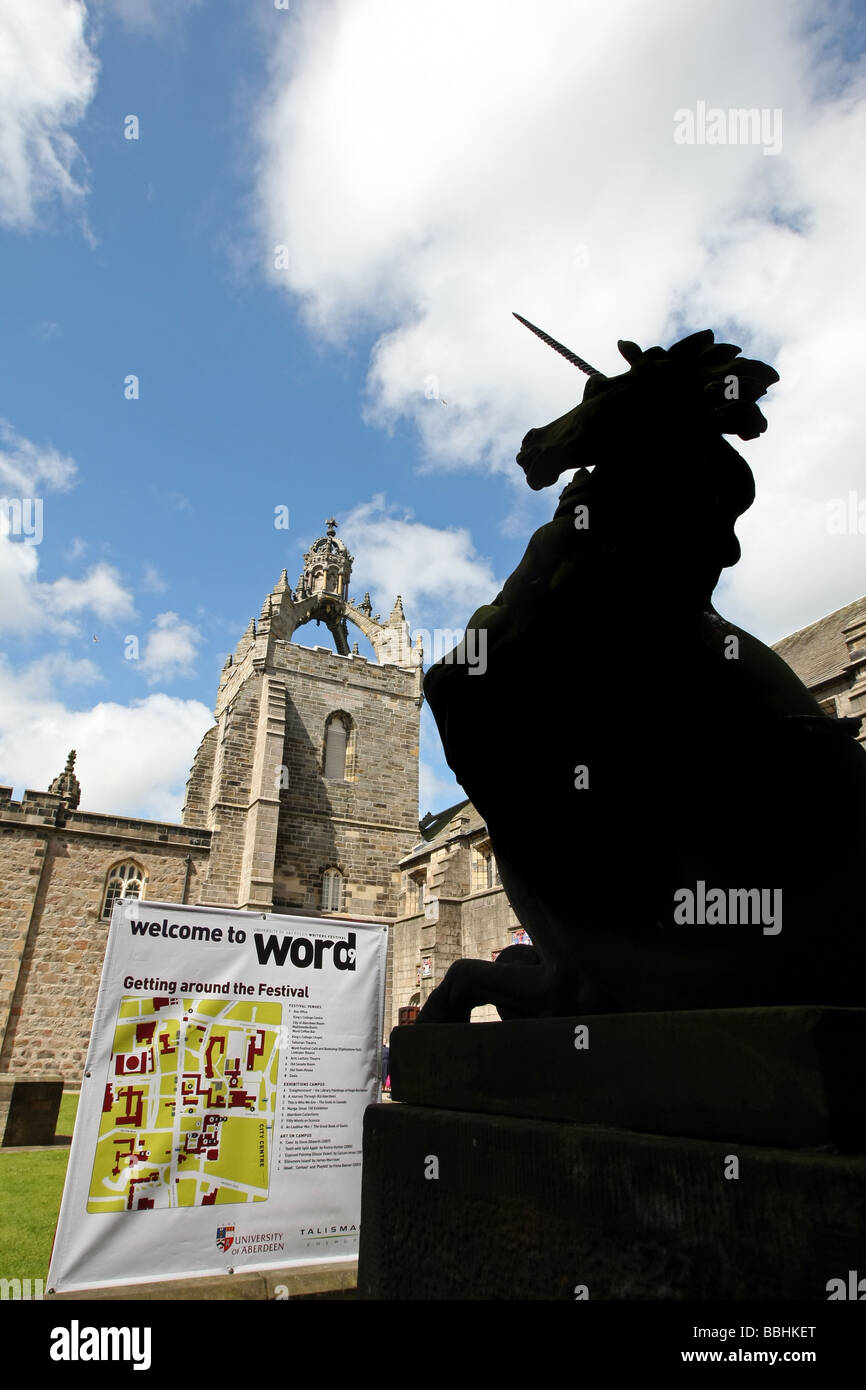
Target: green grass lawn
{"points": [[31, 1185], [68, 1108]]}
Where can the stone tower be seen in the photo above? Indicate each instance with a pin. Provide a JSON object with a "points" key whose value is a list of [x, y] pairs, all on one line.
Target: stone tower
{"points": [[309, 778]]}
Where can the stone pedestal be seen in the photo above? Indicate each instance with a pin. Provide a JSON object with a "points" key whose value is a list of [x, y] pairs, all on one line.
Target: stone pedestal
{"points": [[28, 1109], [714, 1155]]}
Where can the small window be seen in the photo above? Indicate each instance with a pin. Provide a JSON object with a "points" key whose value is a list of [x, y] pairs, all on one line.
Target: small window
{"points": [[335, 750], [332, 891], [122, 881], [417, 887], [341, 748], [485, 871]]}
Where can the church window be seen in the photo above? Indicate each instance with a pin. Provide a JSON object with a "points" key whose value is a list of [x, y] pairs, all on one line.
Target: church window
{"points": [[485, 871], [122, 881], [332, 891], [340, 748], [417, 888]]}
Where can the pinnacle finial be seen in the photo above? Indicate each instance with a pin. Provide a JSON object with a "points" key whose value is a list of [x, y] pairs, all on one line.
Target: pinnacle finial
{"points": [[331, 525], [67, 784]]}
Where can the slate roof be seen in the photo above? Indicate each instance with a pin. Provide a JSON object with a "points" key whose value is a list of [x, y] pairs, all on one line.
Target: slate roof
{"points": [[436, 829], [819, 653], [435, 821]]}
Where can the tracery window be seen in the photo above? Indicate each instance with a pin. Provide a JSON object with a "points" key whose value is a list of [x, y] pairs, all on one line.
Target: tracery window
{"points": [[485, 871], [332, 890], [124, 880]]}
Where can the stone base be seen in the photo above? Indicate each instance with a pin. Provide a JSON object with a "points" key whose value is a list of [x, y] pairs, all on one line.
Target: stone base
{"points": [[28, 1109], [788, 1077], [336, 1280], [534, 1209]]}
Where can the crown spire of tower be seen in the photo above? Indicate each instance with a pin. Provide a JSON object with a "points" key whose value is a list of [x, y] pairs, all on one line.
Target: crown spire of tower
{"points": [[66, 784], [327, 566]]}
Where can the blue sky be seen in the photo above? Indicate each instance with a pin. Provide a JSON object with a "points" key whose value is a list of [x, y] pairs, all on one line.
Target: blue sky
{"points": [[426, 174]]}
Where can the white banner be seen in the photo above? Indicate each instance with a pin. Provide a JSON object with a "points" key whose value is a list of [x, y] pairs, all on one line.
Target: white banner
{"points": [[219, 1127]]}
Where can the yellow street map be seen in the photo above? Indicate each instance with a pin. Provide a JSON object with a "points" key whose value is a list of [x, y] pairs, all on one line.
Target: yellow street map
{"points": [[189, 1104]]}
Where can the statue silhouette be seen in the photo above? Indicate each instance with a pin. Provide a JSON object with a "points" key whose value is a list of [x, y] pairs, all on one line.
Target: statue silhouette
{"points": [[676, 822]]}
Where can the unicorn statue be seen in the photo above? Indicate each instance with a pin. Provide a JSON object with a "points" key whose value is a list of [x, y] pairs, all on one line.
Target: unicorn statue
{"points": [[676, 822]]}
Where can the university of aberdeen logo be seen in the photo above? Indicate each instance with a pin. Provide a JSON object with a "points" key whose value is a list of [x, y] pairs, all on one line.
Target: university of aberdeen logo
{"points": [[225, 1237]]}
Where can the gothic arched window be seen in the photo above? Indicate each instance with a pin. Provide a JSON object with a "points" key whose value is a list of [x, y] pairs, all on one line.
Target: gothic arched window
{"points": [[124, 880], [416, 886], [332, 891], [340, 752], [485, 871]]}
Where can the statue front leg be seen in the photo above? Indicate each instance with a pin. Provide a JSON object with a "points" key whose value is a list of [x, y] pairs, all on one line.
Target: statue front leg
{"points": [[517, 983]]}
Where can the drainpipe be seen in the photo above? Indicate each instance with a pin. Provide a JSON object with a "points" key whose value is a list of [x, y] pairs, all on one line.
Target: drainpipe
{"points": [[186, 879]]}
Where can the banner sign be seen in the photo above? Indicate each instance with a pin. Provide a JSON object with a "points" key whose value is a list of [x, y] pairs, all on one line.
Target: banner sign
{"points": [[219, 1128]]}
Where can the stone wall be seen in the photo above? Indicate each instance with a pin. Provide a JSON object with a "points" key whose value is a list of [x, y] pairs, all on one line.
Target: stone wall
{"points": [[361, 826], [458, 922], [52, 886], [197, 803]]}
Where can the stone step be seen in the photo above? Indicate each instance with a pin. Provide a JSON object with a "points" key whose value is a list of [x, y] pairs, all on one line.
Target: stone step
{"points": [[534, 1209], [336, 1280], [787, 1077]]}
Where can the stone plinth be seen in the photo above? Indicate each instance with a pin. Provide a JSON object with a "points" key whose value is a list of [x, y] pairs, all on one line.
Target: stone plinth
{"points": [[28, 1109], [676, 1157], [791, 1077], [532, 1209]]}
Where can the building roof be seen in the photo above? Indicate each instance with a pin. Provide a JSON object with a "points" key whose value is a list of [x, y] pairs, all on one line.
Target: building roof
{"points": [[435, 821], [437, 829], [819, 652]]}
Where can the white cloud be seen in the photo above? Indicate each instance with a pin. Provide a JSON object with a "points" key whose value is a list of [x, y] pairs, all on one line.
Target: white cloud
{"points": [[174, 501], [47, 79], [37, 730], [150, 15], [437, 572], [26, 467], [153, 581], [28, 606], [430, 173], [100, 591], [58, 667], [171, 649]]}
